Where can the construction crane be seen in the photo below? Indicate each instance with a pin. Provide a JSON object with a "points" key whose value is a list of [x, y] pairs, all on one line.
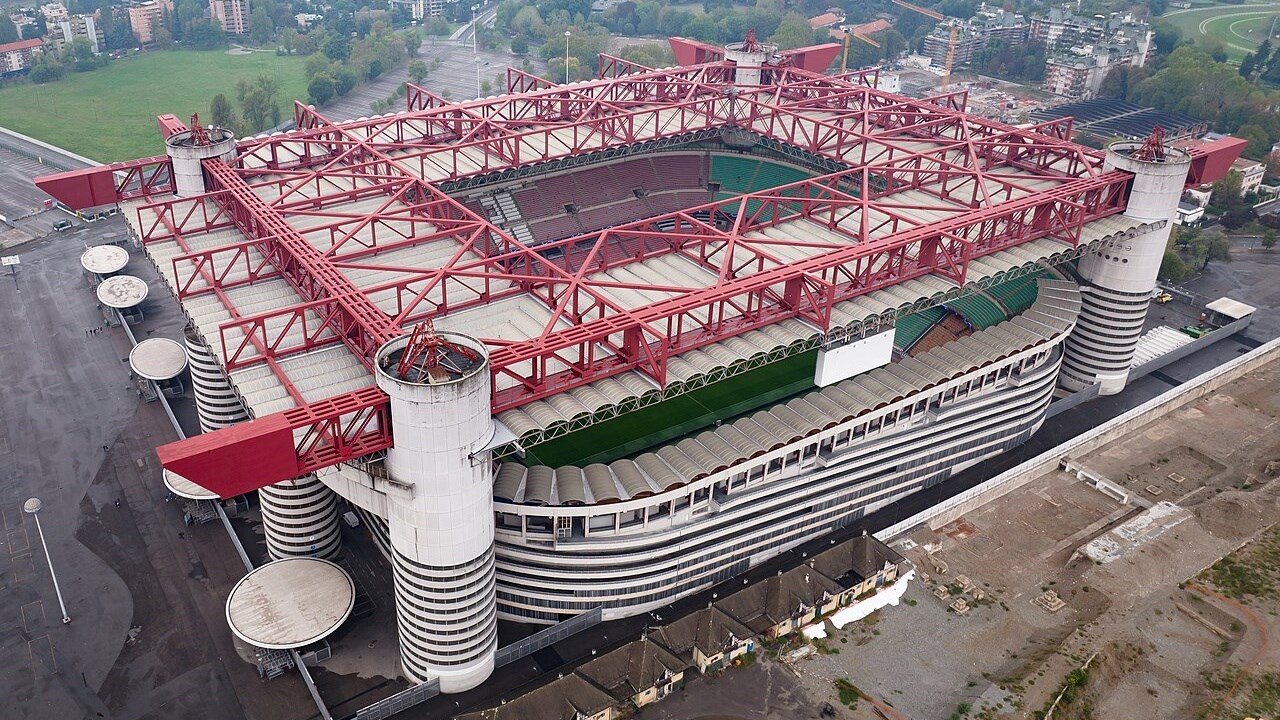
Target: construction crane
{"points": [[951, 44], [844, 63]]}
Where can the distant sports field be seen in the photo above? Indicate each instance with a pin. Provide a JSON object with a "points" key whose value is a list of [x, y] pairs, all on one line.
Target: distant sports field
{"points": [[109, 114], [1240, 28]]}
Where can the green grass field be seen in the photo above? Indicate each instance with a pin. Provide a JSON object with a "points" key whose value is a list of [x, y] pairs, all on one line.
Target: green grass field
{"points": [[1240, 28], [109, 114], [679, 416]]}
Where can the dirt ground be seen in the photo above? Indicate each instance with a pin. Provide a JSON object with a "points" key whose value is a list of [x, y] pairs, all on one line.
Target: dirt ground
{"points": [[1161, 638]]}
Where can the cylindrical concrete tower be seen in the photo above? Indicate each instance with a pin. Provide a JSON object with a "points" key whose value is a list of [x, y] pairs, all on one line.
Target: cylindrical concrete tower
{"points": [[1120, 274], [750, 57], [187, 149], [217, 405], [300, 516], [440, 508]]}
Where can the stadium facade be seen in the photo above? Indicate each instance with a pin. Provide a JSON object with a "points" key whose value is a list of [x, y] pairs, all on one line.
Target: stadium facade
{"points": [[682, 320]]}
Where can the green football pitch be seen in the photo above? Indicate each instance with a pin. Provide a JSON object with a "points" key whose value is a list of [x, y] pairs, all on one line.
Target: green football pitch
{"points": [[634, 432]]}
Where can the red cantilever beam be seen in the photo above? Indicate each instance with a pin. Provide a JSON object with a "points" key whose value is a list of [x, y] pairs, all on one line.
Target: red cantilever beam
{"points": [[284, 445]]}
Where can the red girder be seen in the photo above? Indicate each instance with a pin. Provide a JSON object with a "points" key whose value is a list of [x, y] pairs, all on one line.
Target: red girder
{"points": [[308, 175], [359, 323], [253, 454]]}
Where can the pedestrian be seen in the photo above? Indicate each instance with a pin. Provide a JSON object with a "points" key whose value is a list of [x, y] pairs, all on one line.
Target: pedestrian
{"points": [[117, 502], [106, 448]]}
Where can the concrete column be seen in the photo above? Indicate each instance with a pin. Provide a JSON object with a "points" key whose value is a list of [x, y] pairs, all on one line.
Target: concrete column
{"points": [[299, 517], [217, 405], [1120, 274], [440, 516], [749, 62], [187, 158]]}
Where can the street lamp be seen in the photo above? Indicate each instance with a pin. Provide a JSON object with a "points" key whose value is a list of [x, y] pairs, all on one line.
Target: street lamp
{"points": [[33, 506], [479, 93], [474, 8], [566, 57]]}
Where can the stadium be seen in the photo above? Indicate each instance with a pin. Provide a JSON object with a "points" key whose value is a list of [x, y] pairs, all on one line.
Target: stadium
{"points": [[609, 343]]}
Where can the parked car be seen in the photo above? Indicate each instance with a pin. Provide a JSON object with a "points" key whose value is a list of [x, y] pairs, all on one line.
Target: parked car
{"points": [[62, 225]]}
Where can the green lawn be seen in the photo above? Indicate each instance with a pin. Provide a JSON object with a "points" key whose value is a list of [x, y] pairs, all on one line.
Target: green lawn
{"points": [[1240, 28], [109, 114], [679, 416]]}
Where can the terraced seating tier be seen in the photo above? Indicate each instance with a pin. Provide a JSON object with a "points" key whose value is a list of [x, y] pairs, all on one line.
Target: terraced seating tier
{"points": [[978, 309], [951, 328], [1018, 294], [911, 328]]}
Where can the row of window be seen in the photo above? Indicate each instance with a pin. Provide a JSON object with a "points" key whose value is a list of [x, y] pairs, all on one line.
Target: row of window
{"points": [[813, 519]]}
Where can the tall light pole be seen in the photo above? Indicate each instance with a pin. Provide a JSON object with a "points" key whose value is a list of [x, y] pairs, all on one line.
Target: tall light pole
{"points": [[33, 506], [474, 8], [479, 92], [566, 57]]}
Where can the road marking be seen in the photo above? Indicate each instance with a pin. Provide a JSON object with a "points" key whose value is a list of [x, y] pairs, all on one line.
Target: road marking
{"points": [[17, 541], [40, 652], [33, 617], [23, 567]]}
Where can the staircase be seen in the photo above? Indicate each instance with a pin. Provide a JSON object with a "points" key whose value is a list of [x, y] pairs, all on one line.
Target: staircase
{"points": [[502, 211]]}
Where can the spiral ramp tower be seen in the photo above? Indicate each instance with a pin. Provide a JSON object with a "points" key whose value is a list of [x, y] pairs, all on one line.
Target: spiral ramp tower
{"points": [[440, 508], [1120, 274], [299, 516]]}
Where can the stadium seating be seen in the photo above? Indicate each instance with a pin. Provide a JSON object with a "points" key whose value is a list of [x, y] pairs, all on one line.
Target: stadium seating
{"points": [[744, 174], [1018, 294], [912, 327], [950, 329], [735, 174], [978, 309]]}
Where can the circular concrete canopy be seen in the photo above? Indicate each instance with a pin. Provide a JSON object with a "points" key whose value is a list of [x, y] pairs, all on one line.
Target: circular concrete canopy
{"points": [[104, 259], [122, 291], [184, 488], [158, 359], [289, 603]]}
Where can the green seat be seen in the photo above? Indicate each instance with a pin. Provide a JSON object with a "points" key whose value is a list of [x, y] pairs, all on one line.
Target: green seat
{"points": [[978, 309], [910, 328], [1018, 294]]}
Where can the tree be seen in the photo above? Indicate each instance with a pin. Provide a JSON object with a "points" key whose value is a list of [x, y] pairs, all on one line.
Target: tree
{"points": [[1269, 237], [261, 27], [1172, 269], [321, 89], [417, 71], [120, 37], [205, 35], [793, 32], [344, 80], [1219, 248], [38, 27], [8, 30], [221, 113], [1120, 80], [528, 23], [288, 40], [1226, 192], [258, 102], [45, 68], [412, 41], [1185, 235], [519, 46], [337, 48], [79, 52]]}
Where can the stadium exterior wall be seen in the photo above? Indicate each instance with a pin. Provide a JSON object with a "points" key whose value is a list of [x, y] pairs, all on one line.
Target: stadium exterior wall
{"points": [[730, 521]]}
